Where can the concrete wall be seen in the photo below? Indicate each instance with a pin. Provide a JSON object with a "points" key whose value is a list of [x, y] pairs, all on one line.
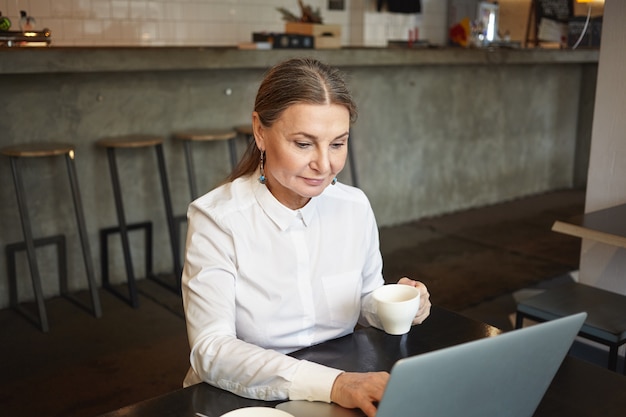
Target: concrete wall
{"points": [[430, 139]]}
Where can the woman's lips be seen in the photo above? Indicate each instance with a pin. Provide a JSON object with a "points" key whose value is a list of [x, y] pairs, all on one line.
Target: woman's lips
{"points": [[314, 181]]}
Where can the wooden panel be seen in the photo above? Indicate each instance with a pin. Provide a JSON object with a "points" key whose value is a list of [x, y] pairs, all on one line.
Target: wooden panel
{"points": [[606, 226]]}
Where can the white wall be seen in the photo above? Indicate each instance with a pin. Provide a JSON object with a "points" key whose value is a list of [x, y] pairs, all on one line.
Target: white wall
{"points": [[603, 265], [212, 22]]}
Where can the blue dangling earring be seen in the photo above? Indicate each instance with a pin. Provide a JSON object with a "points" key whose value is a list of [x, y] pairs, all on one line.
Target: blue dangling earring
{"points": [[334, 181], [262, 168]]}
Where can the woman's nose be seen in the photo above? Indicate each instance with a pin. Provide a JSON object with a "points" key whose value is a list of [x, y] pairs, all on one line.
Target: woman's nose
{"points": [[321, 161]]}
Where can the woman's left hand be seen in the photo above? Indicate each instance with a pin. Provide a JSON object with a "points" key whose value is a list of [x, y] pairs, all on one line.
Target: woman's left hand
{"points": [[424, 310]]}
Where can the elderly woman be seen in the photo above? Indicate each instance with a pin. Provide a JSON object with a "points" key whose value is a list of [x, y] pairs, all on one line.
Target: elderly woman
{"points": [[282, 256]]}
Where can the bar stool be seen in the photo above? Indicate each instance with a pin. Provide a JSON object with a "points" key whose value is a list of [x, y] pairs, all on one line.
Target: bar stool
{"points": [[245, 131], [190, 136], [351, 161], [187, 138], [38, 150], [128, 142], [606, 313]]}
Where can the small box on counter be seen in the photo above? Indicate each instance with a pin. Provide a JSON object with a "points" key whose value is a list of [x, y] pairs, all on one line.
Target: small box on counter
{"points": [[325, 36], [284, 40]]}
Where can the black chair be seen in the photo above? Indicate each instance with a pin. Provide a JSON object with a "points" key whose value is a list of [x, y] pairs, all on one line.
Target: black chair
{"points": [[606, 320], [39, 150]]}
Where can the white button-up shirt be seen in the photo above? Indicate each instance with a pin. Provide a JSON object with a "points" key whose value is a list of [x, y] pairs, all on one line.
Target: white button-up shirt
{"points": [[261, 280]]}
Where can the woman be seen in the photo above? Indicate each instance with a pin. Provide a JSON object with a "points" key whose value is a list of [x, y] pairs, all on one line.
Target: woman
{"points": [[282, 256]]}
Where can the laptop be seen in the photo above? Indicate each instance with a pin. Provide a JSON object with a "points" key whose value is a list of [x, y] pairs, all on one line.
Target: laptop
{"points": [[505, 375]]}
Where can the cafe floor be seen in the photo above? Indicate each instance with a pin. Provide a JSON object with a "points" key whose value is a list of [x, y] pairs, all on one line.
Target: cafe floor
{"points": [[476, 262]]}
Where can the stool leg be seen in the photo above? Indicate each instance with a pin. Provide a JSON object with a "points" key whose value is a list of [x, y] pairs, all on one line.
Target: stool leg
{"points": [[30, 244], [193, 188], [12, 273], [169, 212], [612, 365], [84, 239], [355, 181], [132, 286], [232, 147]]}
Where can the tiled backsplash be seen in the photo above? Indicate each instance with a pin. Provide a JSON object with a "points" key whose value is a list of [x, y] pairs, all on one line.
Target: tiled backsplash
{"points": [[213, 22]]}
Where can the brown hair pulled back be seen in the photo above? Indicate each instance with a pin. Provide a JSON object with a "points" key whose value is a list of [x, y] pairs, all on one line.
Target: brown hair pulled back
{"points": [[295, 81]]}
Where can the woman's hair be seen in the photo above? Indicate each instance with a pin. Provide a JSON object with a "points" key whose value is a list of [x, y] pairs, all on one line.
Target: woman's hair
{"points": [[295, 81]]}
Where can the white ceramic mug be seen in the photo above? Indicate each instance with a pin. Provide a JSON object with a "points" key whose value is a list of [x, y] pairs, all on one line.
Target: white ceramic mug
{"points": [[396, 306]]}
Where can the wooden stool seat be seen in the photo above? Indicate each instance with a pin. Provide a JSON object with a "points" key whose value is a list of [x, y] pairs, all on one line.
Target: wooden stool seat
{"points": [[206, 135], [244, 130], [606, 310], [130, 141], [35, 150]]}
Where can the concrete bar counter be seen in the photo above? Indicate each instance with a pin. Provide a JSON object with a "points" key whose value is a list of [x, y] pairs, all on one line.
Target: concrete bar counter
{"points": [[439, 130]]}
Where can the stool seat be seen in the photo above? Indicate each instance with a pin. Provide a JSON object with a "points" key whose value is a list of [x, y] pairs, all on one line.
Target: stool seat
{"points": [[33, 150], [244, 130], [205, 135], [606, 312], [130, 141]]}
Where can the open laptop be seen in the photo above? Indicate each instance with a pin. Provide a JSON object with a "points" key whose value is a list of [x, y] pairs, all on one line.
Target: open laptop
{"points": [[505, 375]]}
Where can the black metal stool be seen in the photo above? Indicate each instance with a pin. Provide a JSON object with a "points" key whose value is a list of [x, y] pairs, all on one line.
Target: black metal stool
{"points": [[187, 138], [245, 131], [351, 161], [138, 142], [36, 150], [606, 320]]}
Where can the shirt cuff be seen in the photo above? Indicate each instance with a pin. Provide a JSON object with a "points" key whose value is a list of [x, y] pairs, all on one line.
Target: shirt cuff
{"points": [[313, 382]]}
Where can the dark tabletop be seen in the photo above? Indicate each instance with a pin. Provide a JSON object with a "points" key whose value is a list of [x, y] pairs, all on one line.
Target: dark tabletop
{"points": [[579, 389]]}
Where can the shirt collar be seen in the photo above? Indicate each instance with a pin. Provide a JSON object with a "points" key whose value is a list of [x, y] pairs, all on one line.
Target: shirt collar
{"points": [[280, 214]]}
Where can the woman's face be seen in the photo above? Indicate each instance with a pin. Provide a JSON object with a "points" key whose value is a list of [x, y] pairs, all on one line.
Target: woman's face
{"points": [[304, 150]]}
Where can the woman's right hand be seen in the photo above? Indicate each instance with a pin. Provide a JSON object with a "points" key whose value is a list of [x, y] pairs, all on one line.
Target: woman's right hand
{"points": [[359, 390]]}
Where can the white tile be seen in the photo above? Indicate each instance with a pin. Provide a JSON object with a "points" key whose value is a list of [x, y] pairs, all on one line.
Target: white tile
{"points": [[92, 27], [148, 32], [81, 9], [429, 6], [37, 8], [73, 29], [155, 10], [101, 9], [120, 9], [188, 11], [173, 11], [55, 26], [137, 10], [216, 22], [61, 8]]}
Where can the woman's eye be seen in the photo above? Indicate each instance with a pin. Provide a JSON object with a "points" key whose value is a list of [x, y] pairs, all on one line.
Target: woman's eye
{"points": [[302, 144], [337, 145]]}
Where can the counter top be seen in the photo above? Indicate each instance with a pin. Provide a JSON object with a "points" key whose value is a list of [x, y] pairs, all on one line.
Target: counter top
{"points": [[114, 59]]}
